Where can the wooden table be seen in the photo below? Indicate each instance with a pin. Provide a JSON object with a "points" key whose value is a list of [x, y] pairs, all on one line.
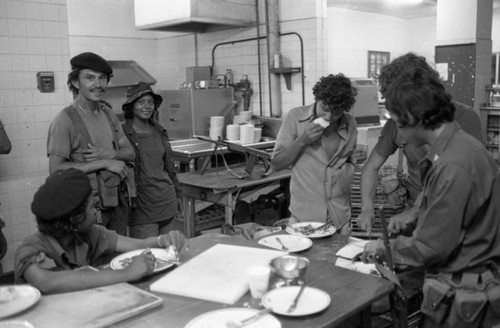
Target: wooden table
{"points": [[220, 187], [351, 293]]}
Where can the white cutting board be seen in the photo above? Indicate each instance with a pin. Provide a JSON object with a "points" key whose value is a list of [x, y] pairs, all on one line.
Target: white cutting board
{"points": [[217, 274]]}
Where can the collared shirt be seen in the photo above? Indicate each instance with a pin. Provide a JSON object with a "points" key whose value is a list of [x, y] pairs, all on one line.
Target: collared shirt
{"points": [[45, 250], [320, 186], [457, 225]]}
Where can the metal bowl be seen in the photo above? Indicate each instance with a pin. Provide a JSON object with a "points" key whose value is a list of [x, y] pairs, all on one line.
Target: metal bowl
{"points": [[289, 266]]}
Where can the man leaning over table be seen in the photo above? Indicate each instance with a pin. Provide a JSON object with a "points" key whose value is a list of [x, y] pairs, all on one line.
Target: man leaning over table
{"points": [[321, 155], [390, 141], [88, 136], [457, 234], [68, 239]]}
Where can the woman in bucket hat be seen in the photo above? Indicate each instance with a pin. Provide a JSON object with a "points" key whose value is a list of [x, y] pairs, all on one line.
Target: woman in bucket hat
{"points": [[157, 187]]}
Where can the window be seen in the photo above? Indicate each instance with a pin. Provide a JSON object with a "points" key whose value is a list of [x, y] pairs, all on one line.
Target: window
{"points": [[377, 59]]}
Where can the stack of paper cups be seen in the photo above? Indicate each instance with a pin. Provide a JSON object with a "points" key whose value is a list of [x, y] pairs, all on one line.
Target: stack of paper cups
{"points": [[246, 116], [246, 134], [216, 127], [233, 132], [257, 134]]}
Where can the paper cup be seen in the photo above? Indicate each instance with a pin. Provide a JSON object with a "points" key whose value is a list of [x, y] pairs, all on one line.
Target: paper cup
{"points": [[215, 133], [216, 121], [258, 280], [233, 132], [247, 134], [257, 134], [246, 115]]}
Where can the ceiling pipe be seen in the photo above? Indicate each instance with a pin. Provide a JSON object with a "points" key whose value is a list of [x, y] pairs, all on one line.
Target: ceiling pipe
{"points": [[273, 47]]}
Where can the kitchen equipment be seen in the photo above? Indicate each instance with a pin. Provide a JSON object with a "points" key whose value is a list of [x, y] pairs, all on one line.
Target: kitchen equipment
{"points": [[289, 269], [187, 112], [91, 308], [365, 109], [217, 275]]}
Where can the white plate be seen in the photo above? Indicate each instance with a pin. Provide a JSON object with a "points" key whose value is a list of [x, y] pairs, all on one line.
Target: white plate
{"points": [[330, 230], [292, 242], [14, 299], [122, 260], [311, 301], [220, 319]]}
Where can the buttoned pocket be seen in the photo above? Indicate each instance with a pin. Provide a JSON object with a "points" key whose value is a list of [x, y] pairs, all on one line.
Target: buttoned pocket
{"points": [[437, 299]]}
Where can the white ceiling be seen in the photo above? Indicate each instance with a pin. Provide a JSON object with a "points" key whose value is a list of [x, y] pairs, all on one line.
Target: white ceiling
{"points": [[396, 8]]}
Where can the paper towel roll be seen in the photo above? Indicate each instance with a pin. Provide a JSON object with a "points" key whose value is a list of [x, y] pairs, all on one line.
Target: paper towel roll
{"points": [[257, 134], [246, 133], [233, 132]]}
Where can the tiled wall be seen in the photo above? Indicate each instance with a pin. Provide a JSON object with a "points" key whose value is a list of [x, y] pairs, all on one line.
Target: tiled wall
{"points": [[33, 38]]}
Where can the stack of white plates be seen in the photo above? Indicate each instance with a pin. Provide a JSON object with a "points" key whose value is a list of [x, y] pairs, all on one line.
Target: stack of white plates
{"points": [[237, 119]]}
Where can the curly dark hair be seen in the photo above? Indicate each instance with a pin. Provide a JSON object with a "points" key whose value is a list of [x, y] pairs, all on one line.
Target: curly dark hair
{"points": [[418, 96], [64, 225], [390, 72], [336, 92], [73, 76]]}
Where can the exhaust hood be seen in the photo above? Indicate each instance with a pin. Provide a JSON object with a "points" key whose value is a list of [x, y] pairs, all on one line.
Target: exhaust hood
{"points": [[128, 72], [193, 15]]}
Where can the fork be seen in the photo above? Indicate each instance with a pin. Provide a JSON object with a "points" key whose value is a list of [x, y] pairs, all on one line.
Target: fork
{"points": [[296, 299], [283, 247]]}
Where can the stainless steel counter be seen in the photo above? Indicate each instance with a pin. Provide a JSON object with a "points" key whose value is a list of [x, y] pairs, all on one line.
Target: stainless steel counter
{"points": [[188, 150]]}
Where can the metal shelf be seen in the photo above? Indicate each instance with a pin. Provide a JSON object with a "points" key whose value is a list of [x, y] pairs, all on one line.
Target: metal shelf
{"points": [[287, 74]]}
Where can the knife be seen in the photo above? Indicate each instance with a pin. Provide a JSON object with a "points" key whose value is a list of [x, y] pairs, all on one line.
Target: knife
{"points": [[296, 300], [249, 320]]}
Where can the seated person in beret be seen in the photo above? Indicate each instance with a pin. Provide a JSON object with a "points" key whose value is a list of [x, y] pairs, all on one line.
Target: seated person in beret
{"points": [[68, 239]]}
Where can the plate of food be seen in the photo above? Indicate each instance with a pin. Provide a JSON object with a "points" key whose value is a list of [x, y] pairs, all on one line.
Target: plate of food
{"points": [[287, 243], [311, 229], [164, 258], [312, 300], [231, 317], [17, 298]]}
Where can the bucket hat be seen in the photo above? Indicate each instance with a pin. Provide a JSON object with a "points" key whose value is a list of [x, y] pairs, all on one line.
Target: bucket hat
{"points": [[138, 90]]}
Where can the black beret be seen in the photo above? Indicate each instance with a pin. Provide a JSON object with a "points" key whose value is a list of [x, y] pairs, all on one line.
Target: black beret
{"points": [[61, 194], [92, 61]]}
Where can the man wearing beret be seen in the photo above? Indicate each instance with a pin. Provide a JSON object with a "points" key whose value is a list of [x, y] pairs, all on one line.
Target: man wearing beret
{"points": [[68, 239], [87, 135]]}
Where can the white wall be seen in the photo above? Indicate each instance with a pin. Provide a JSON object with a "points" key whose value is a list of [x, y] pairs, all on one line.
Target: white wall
{"points": [[348, 44]]}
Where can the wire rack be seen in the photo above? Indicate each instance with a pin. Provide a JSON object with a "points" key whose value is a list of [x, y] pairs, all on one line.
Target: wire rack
{"points": [[380, 200], [414, 318]]}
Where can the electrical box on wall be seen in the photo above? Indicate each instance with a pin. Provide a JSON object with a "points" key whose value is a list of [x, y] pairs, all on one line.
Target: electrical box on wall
{"points": [[45, 81]]}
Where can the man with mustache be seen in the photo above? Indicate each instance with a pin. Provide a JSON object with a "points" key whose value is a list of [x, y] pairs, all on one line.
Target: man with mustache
{"points": [[88, 136]]}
